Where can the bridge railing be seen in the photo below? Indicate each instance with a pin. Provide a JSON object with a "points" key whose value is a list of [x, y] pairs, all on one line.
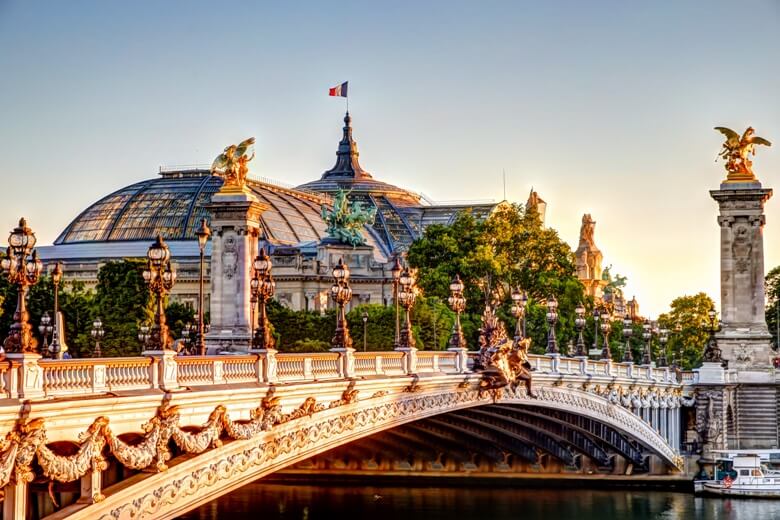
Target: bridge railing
{"points": [[31, 377]]}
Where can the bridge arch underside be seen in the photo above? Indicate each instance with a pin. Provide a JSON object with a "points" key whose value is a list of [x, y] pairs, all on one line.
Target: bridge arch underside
{"points": [[499, 437], [561, 426]]}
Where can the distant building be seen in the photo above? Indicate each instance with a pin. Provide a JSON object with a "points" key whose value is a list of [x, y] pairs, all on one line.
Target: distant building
{"points": [[124, 223], [597, 281]]}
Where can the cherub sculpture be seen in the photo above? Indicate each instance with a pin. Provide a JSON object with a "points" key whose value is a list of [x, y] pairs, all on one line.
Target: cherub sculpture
{"points": [[737, 150], [231, 164]]}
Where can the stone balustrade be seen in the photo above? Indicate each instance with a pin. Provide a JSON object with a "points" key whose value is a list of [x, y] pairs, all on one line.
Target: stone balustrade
{"points": [[32, 377]]}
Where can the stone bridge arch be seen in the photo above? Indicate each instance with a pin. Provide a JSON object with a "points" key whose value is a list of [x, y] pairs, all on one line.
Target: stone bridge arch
{"points": [[193, 480]]}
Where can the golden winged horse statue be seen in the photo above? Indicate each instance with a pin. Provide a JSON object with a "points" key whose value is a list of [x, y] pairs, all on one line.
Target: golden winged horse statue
{"points": [[736, 152], [231, 164]]}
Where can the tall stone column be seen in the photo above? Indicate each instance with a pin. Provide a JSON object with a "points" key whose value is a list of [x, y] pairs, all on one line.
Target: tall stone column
{"points": [[744, 339], [235, 224]]}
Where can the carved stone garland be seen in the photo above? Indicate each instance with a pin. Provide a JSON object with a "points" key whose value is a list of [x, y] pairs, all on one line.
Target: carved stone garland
{"points": [[28, 441]]}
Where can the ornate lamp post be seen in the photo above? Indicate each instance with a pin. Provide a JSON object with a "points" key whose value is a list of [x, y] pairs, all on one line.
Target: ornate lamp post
{"points": [[552, 319], [458, 304], [160, 276], [46, 329], [605, 326], [203, 234], [647, 337], [663, 337], [189, 337], [595, 327], [406, 297], [519, 300], [712, 351], [396, 272], [23, 268], [579, 326], [628, 331], [365, 329], [341, 293], [97, 335], [677, 356], [55, 349], [263, 287]]}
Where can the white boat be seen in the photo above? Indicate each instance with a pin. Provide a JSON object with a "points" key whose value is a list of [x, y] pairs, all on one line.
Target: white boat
{"points": [[753, 480]]}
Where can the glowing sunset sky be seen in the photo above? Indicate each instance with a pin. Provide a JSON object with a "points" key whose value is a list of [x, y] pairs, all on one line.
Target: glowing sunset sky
{"points": [[602, 107]]}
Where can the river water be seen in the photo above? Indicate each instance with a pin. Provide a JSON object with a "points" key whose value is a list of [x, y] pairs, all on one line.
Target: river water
{"points": [[346, 502]]}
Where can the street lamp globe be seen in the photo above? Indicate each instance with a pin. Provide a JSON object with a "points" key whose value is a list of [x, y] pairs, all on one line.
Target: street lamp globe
{"points": [[395, 271], [456, 286], [262, 263], [203, 233]]}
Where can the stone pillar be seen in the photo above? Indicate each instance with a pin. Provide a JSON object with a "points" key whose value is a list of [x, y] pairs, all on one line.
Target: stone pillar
{"points": [[235, 224], [744, 340], [15, 500], [91, 487], [462, 359]]}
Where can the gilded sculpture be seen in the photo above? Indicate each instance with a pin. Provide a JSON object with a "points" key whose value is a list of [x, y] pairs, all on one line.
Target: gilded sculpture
{"points": [[736, 151], [502, 361], [346, 221], [231, 164]]}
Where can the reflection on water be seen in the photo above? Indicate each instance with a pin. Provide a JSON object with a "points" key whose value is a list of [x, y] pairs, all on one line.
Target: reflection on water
{"points": [[303, 502]]}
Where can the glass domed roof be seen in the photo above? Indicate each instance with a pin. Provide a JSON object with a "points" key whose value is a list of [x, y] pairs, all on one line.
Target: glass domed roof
{"points": [[174, 204]]}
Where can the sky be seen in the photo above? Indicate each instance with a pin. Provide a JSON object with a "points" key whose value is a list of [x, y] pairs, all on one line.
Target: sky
{"points": [[604, 107]]}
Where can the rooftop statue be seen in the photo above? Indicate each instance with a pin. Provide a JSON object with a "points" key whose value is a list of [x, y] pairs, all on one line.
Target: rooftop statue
{"points": [[736, 152], [345, 222], [614, 284], [231, 164], [587, 230]]}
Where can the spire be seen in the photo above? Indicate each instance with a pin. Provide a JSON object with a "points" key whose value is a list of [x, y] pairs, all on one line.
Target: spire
{"points": [[347, 164]]}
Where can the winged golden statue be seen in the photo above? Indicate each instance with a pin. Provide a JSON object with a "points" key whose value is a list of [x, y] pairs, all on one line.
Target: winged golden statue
{"points": [[231, 164], [736, 152]]}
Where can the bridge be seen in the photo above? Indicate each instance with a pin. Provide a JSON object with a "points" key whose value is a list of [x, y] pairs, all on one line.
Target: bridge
{"points": [[157, 435]]}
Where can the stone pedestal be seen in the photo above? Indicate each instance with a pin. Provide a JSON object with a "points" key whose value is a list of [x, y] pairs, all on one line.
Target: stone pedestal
{"points": [[167, 370], [711, 374], [235, 224], [462, 361], [744, 340], [26, 375], [346, 361]]}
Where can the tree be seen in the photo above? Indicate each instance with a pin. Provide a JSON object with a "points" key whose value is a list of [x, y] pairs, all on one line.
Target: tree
{"points": [[123, 302], [509, 249], [688, 324], [772, 285]]}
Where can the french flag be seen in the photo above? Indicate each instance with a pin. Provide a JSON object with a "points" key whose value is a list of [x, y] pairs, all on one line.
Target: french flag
{"points": [[340, 91]]}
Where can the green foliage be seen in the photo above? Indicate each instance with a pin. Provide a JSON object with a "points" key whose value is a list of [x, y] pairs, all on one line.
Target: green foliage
{"points": [[178, 315], [509, 249], [688, 324], [380, 326], [772, 284], [123, 302], [308, 346], [291, 326], [297, 330]]}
